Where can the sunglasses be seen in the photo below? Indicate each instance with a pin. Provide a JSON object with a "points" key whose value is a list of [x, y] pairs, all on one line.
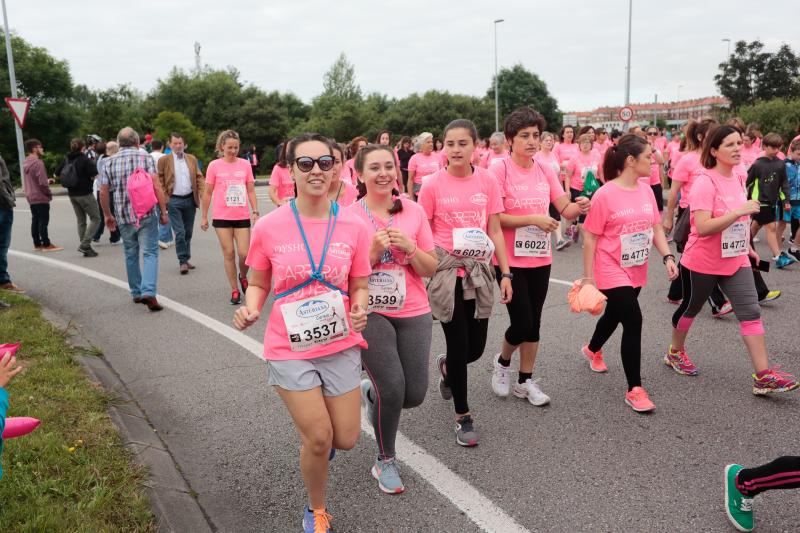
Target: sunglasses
{"points": [[306, 164], [652, 134]]}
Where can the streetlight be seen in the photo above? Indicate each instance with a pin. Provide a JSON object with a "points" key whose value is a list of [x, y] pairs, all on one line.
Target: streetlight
{"points": [[726, 40], [628, 68], [13, 79], [496, 100]]}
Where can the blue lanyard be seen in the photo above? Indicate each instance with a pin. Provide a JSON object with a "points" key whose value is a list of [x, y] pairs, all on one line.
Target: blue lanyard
{"points": [[386, 256], [316, 271]]}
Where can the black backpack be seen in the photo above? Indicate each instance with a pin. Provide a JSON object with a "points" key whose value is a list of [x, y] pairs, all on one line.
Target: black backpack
{"points": [[69, 174]]}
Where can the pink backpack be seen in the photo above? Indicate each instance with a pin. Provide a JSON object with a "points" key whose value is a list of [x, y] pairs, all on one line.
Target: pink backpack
{"points": [[141, 193]]}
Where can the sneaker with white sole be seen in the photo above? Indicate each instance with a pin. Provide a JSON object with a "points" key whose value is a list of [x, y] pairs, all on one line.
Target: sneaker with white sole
{"points": [[501, 379], [738, 507], [596, 362], [388, 475], [638, 400], [465, 432], [530, 390], [366, 390], [444, 388], [563, 243], [722, 311]]}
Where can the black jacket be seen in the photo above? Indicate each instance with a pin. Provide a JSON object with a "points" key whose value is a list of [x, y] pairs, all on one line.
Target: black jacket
{"points": [[766, 181], [7, 200], [86, 170]]}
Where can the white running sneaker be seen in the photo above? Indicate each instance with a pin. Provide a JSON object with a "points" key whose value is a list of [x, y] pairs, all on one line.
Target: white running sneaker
{"points": [[532, 392], [501, 379]]}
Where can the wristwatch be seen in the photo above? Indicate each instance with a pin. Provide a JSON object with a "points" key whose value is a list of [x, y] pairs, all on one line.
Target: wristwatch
{"points": [[508, 275]]}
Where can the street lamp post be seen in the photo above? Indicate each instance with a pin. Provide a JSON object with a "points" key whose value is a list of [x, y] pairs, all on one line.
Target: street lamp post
{"points": [[13, 79], [628, 67], [726, 40], [496, 99]]}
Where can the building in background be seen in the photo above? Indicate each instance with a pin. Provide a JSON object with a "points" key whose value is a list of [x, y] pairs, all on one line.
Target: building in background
{"points": [[671, 113]]}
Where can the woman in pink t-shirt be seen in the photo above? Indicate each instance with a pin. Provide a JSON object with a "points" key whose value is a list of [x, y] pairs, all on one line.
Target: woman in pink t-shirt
{"points": [[315, 257], [229, 181], [340, 191], [462, 204], [281, 184], [497, 149], [619, 232], [566, 149], [578, 168], [656, 166], [529, 189], [424, 163], [546, 157], [349, 173], [719, 252], [400, 324]]}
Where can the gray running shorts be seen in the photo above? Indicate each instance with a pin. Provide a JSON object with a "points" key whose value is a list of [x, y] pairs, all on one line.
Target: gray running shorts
{"points": [[337, 373]]}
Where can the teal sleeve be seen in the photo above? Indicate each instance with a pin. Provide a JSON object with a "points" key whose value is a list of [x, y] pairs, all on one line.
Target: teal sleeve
{"points": [[3, 411]]}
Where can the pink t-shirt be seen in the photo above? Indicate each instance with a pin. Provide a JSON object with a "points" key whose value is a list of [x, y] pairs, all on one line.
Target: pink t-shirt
{"points": [[282, 181], [230, 188], [686, 172], [349, 173], [424, 165], [715, 193], [526, 191], [491, 155], [579, 166], [565, 151], [452, 202], [615, 214], [277, 248], [548, 159], [749, 155], [655, 172], [413, 222], [660, 143], [348, 194], [673, 147]]}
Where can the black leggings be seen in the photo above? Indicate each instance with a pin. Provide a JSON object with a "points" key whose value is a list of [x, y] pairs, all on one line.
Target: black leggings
{"points": [[782, 473], [40, 219], [622, 307], [465, 336], [525, 309]]}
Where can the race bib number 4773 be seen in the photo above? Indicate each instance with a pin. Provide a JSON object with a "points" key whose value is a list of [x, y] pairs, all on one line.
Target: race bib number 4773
{"points": [[316, 320], [635, 248]]}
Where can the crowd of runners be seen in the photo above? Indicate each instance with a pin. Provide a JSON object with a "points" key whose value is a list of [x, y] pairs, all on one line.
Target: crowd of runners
{"points": [[370, 243]]}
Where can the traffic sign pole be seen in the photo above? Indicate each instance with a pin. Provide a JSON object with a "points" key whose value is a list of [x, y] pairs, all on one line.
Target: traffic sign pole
{"points": [[13, 79]]}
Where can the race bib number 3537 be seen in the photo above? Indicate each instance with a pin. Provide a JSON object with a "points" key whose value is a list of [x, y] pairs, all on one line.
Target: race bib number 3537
{"points": [[316, 320]]}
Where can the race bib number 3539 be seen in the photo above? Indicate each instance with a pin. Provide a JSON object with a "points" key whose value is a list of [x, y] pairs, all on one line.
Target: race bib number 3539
{"points": [[316, 320], [387, 290]]}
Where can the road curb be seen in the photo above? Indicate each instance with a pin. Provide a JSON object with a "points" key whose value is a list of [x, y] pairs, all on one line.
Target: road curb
{"points": [[171, 497], [61, 191]]}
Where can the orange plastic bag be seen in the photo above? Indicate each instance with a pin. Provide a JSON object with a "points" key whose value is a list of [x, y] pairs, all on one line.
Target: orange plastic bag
{"points": [[585, 298]]}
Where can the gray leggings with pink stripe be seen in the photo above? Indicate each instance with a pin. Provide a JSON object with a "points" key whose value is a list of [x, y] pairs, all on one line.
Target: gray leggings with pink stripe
{"points": [[782, 473]]}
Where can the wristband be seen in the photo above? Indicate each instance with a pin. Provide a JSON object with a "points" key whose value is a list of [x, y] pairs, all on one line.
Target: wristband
{"points": [[410, 256], [668, 256]]}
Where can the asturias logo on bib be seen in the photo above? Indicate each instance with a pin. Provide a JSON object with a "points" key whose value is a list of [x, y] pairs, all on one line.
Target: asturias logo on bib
{"points": [[639, 239], [312, 308], [381, 279], [474, 235], [479, 199]]}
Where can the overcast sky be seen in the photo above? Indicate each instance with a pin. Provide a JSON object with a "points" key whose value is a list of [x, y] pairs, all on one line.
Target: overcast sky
{"points": [[578, 47]]}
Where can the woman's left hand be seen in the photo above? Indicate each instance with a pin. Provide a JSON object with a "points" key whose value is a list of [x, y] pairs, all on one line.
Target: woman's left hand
{"points": [[358, 317], [672, 269], [506, 292], [400, 240]]}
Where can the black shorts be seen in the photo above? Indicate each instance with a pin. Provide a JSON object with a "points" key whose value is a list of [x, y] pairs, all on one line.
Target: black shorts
{"points": [[574, 194], [659, 192], [236, 224], [767, 215]]}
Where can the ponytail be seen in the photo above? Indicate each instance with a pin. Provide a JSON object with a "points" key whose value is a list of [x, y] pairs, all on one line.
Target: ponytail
{"points": [[614, 162]]}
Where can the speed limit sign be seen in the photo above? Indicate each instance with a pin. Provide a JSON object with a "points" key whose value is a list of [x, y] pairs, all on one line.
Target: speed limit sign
{"points": [[625, 114]]}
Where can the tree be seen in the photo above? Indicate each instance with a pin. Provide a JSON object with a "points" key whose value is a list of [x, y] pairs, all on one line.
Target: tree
{"points": [[340, 80], [168, 122], [519, 87], [53, 118], [433, 110], [778, 115], [750, 74], [110, 110]]}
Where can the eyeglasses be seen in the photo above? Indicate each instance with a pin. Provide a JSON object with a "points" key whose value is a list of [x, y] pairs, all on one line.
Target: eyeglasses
{"points": [[652, 134], [306, 164]]}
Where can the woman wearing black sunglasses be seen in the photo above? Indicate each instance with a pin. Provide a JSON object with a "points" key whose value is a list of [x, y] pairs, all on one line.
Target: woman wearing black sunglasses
{"points": [[315, 257]]}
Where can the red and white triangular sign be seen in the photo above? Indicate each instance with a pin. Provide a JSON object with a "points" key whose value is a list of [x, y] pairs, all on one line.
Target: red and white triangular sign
{"points": [[19, 108]]}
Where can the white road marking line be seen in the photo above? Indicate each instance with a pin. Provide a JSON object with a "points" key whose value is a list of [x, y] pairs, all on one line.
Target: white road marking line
{"points": [[22, 210], [481, 510]]}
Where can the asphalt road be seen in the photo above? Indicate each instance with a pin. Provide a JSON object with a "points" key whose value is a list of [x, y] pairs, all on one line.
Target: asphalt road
{"points": [[584, 463]]}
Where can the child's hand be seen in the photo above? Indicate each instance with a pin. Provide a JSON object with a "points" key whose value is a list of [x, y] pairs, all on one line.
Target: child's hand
{"points": [[8, 368]]}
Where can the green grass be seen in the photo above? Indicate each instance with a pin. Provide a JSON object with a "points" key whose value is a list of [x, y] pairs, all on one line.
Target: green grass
{"points": [[73, 473]]}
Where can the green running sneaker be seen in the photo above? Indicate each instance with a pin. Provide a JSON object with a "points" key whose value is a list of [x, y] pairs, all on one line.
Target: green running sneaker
{"points": [[738, 507]]}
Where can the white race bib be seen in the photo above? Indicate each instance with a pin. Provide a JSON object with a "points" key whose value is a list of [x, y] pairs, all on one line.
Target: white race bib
{"points": [[635, 248], [472, 243], [235, 195], [531, 241], [316, 320], [387, 289], [735, 238]]}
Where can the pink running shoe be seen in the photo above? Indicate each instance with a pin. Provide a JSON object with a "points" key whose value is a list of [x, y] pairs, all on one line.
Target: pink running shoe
{"points": [[596, 362], [680, 362], [773, 380], [639, 401]]}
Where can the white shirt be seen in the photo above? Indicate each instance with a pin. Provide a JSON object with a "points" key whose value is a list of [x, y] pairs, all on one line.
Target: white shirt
{"points": [[183, 183], [156, 156]]}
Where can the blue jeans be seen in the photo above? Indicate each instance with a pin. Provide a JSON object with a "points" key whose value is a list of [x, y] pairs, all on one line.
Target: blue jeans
{"points": [[181, 218], [141, 281], [6, 220], [164, 230]]}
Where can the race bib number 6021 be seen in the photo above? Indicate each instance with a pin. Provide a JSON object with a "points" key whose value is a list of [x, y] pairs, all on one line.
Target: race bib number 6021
{"points": [[472, 243], [316, 320]]}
